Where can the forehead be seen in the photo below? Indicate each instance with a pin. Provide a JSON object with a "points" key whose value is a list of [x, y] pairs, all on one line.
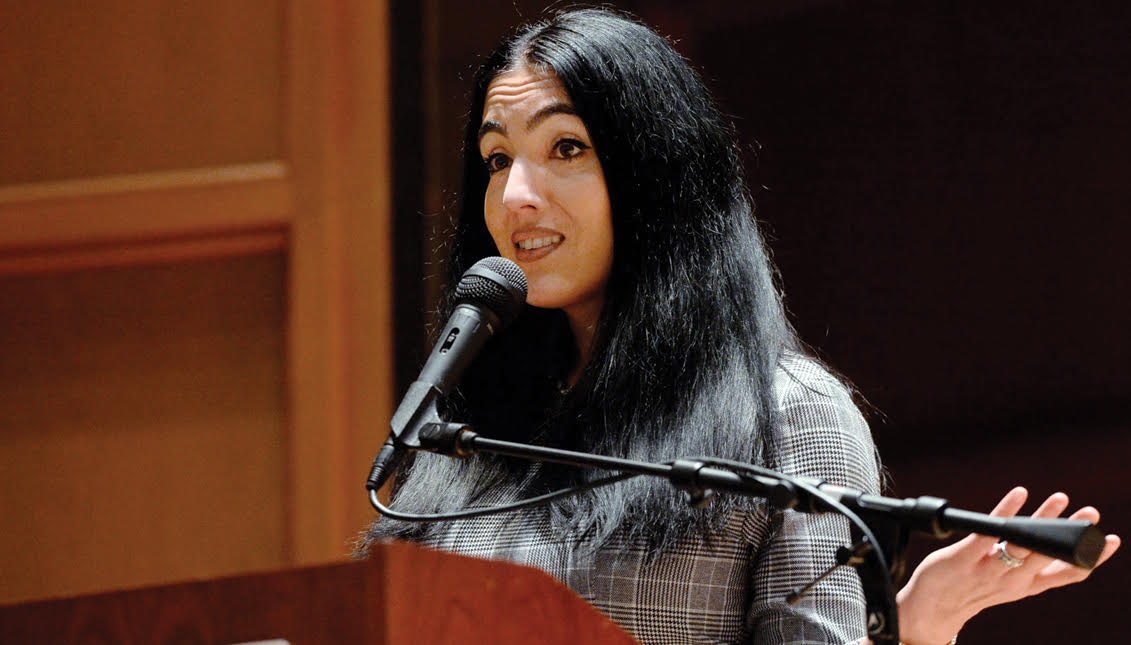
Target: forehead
{"points": [[522, 90]]}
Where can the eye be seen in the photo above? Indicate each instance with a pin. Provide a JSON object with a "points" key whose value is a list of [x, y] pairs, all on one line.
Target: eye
{"points": [[496, 162], [569, 148]]}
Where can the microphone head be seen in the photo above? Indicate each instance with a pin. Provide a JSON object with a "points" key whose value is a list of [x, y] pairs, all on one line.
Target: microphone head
{"points": [[497, 284]]}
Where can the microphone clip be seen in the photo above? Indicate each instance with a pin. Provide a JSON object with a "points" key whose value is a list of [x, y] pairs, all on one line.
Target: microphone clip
{"points": [[451, 439]]}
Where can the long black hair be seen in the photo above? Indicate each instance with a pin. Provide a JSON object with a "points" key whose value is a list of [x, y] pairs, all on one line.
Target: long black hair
{"points": [[692, 328]]}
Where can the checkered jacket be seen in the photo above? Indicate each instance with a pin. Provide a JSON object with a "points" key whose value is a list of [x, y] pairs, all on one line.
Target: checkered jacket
{"points": [[732, 587]]}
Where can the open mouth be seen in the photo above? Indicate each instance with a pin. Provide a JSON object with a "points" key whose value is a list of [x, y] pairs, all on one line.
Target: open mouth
{"points": [[536, 248], [538, 242]]}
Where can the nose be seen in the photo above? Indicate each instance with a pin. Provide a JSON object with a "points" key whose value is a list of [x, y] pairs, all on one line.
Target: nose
{"points": [[523, 190]]}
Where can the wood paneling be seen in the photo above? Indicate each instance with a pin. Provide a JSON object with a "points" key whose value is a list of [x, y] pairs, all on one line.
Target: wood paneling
{"points": [[144, 218], [141, 252], [199, 201], [194, 213], [110, 87], [143, 429], [340, 338]]}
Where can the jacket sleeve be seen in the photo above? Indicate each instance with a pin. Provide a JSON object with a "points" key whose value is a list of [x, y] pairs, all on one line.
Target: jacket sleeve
{"points": [[822, 435]]}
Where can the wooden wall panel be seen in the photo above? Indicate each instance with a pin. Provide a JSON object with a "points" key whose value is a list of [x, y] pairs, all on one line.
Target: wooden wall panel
{"points": [[143, 429], [194, 264], [146, 217], [340, 338], [108, 87]]}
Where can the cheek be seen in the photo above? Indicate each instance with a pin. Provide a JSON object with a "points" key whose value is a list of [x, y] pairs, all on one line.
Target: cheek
{"points": [[601, 225], [493, 217]]}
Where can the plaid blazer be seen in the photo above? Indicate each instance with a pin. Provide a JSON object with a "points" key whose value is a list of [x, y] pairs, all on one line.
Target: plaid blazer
{"points": [[731, 588]]}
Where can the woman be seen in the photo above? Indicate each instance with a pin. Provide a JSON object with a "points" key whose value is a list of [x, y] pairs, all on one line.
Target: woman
{"points": [[595, 159]]}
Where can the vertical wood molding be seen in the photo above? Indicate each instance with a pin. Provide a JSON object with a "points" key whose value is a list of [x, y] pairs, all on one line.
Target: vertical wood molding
{"points": [[340, 324]]}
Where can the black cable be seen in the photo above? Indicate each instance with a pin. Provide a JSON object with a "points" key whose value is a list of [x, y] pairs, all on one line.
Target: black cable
{"points": [[477, 511], [880, 559]]}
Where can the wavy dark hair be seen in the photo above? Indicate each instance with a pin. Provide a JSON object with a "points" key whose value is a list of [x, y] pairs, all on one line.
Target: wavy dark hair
{"points": [[692, 328]]}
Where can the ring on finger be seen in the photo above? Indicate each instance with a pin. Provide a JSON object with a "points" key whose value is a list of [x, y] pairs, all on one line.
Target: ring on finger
{"points": [[1008, 559]]}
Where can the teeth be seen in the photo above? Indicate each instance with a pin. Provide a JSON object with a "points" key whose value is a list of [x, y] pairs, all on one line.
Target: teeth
{"points": [[539, 242]]}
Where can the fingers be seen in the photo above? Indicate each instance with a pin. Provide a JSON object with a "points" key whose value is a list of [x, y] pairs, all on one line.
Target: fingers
{"points": [[1087, 513], [1059, 573], [1011, 503], [1053, 506], [1111, 545], [1054, 573], [1111, 542], [1007, 507], [997, 582]]}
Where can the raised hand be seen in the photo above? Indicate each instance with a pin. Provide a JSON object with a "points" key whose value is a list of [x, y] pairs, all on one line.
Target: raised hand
{"points": [[956, 582]]}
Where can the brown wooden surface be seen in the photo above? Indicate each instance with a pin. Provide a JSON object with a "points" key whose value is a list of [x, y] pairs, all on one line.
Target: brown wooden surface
{"points": [[402, 595], [194, 214], [110, 87], [437, 597], [330, 604], [140, 425], [339, 340], [199, 202]]}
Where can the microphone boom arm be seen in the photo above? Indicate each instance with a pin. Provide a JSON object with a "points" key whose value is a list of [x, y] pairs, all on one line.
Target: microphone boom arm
{"points": [[1077, 542]]}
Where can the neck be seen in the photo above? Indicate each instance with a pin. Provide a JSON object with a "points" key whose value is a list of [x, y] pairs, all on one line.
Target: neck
{"points": [[583, 319]]}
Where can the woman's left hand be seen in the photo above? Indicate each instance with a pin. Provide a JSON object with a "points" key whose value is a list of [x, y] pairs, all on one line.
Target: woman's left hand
{"points": [[956, 582]]}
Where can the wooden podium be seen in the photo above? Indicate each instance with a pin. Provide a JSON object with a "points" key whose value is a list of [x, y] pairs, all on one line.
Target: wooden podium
{"points": [[403, 594]]}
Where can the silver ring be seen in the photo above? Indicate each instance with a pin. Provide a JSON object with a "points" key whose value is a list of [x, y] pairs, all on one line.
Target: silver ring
{"points": [[1006, 558]]}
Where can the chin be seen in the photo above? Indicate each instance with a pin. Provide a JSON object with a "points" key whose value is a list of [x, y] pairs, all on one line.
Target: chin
{"points": [[544, 303], [545, 298], [552, 292]]}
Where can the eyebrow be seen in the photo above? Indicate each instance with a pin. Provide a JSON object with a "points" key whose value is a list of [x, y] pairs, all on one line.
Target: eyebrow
{"points": [[531, 123]]}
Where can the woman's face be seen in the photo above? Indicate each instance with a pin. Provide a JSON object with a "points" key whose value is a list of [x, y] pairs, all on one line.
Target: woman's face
{"points": [[546, 205]]}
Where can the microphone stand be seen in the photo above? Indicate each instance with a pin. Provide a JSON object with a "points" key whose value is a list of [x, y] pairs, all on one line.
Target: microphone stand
{"points": [[1078, 542]]}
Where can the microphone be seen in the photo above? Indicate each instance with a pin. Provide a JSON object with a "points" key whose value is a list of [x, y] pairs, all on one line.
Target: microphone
{"points": [[489, 296]]}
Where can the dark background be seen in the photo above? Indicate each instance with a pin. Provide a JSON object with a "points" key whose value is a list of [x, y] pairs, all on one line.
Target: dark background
{"points": [[944, 187]]}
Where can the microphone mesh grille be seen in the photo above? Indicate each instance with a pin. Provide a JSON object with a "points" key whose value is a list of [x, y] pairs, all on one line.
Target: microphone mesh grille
{"points": [[482, 287]]}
